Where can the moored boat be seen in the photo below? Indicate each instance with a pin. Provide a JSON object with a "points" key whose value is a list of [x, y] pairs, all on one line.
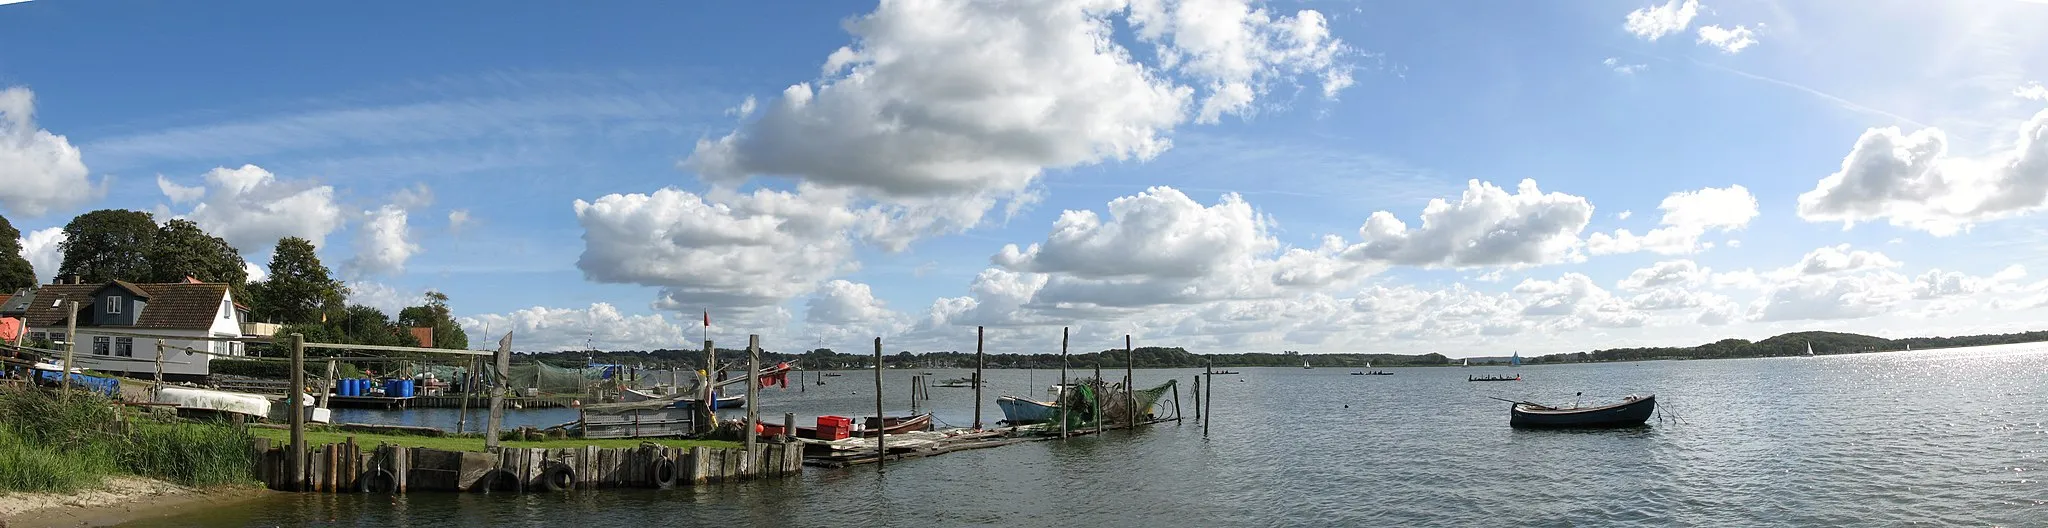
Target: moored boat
{"points": [[1633, 410], [1021, 411], [1517, 377]]}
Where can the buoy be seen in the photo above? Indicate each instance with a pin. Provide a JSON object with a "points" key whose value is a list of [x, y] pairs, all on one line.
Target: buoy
{"points": [[576, 403]]}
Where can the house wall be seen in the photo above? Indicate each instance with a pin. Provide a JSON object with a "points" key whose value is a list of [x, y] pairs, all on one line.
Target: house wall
{"points": [[176, 362], [228, 326], [131, 307]]}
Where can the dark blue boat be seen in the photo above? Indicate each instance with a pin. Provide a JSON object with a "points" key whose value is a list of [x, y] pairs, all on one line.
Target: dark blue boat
{"points": [[1633, 410]]}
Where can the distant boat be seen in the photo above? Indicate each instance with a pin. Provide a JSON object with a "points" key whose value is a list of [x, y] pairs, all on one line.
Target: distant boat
{"points": [[1373, 373], [1222, 372], [1304, 364], [1467, 363], [1517, 377], [1516, 360], [1633, 410], [1809, 349]]}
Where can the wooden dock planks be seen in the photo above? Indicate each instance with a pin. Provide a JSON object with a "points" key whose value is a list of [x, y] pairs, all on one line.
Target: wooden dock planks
{"points": [[341, 467]]}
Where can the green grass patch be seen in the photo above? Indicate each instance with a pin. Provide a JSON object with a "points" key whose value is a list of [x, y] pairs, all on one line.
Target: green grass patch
{"points": [[52, 443], [470, 442]]}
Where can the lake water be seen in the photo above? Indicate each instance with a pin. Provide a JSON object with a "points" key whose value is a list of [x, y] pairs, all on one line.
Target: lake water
{"points": [[1951, 437]]}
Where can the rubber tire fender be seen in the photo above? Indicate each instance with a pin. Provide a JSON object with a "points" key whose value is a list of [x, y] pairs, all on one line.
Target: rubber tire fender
{"points": [[378, 480], [558, 478], [665, 473]]}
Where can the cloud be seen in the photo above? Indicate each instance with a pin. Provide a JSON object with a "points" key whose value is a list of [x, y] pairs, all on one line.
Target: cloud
{"points": [[1841, 259], [555, 329], [1687, 216], [1658, 21], [1666, 273], [44, 250], [949, 109], [383, 297], [843, 310], [1825, 297], [1240, 49], [178, 193], [748, 251], [1911, 181], [2032, 91], [459, 219], [1730, 41], [1623, 68], [1624, 215], [251, 208], [1487, 227], [1575, 296], [745, 109], [42, 170], [256, 272], [384, 242]]}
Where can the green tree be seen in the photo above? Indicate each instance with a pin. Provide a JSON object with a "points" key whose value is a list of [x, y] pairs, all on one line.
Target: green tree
{"points": [[435, 314], [181, 249], [15, 271], [364, 325], [300, 289], [108, 244]]}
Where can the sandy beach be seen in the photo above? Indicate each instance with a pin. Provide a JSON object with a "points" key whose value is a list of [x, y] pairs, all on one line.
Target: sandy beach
{"points": [[119, 500]]}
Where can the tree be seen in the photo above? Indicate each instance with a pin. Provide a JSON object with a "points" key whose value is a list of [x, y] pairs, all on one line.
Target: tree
{"points": [[300, 289], [364, 325], [181, 249], [108, 244], [435, 314], [15, 271]]}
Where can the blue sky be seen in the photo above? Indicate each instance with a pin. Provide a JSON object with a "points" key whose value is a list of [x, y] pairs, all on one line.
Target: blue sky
{"points": [[447, 146]]}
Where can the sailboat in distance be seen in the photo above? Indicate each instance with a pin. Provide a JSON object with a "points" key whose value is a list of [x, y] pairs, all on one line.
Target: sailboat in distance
{"points": [[1809, 349]]}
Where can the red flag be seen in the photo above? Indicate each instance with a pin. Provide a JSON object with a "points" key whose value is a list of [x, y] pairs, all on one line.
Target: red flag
{"points": [[707, 318]]}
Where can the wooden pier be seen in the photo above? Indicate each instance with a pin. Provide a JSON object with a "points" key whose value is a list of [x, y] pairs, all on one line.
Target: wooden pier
{"points": [[348, 467]]}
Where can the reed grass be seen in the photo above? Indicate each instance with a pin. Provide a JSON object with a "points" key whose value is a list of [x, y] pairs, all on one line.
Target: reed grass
{"points": [[49, 442]]}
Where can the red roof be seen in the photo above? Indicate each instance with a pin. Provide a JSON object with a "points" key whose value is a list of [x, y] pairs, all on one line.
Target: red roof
{"points": [[425, 335]]}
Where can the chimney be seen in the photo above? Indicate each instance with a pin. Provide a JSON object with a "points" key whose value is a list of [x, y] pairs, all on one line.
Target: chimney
{"points": [[190, 280]]}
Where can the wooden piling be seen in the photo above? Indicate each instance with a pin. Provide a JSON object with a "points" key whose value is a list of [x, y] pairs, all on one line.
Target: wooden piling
{"points": [[321, 398], [297, 397], [1130, 388], [1063, 383], [753, 400], [71, 342], [1198, 397], [710, 368], [501, 381], [788, 426], [1210, 399], [979, 362], [1097, 417], [881, 439]]}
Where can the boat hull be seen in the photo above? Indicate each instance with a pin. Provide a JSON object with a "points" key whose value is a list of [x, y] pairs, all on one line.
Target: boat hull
{"points": [[1020, 411], [1625, 414]]}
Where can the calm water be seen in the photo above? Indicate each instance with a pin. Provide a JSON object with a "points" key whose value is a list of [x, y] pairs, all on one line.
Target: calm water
{"points": [[1952, 437]]}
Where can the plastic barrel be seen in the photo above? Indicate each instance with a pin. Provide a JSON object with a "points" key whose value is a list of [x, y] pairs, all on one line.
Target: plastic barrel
{"points": [[405, 388], [348, 387], [358, 386]]}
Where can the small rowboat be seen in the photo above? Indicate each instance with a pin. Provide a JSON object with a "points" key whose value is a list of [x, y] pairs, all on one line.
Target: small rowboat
{"points": [[1517, 377], [1373, 373], [1633, 410]]}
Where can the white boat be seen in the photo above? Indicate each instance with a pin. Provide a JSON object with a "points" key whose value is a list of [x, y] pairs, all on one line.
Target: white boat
{"points": [[1018, 411], [1809, 349], [220, 401], [1304, 364]]}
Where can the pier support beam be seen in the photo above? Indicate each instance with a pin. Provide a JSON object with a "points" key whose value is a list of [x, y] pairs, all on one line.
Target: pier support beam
{"points": [[1062, 400], [297, 397], [753, 400], [501, 381], [881, 439], [980, 361]]}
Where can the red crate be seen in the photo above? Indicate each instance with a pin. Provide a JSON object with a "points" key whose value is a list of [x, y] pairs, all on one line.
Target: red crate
{"points": [[833, 432], [835, 421]]}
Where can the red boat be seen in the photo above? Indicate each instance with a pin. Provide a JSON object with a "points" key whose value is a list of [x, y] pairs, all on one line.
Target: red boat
{"points": [[895, 425]]}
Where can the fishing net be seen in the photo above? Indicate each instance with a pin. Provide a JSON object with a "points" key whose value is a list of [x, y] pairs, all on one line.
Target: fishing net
{"points": [[552, 379], [1116, 404]]}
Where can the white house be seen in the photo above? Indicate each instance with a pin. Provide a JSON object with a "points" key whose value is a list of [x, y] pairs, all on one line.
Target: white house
{"points": [[118, 323]]}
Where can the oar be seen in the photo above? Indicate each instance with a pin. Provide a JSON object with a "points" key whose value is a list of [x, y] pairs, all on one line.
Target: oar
{"points": [[1521, 402]]}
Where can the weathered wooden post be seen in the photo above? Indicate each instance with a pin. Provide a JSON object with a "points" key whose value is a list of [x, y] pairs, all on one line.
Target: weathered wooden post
{"points": [[1130, 388], [979, 362], [788, 426], [1099, 386], [501, 381], [468, 387], [1198, 396], [1062, 400], [159, 371], [710, 367], [70, 342], [1209, 371], [881, 440], [753, 401], [298, 410], [322, 397]]}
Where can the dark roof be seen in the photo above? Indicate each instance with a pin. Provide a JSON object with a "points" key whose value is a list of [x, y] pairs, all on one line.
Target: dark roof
{"points": [[133, 288], [19, 303], [187, 306]]}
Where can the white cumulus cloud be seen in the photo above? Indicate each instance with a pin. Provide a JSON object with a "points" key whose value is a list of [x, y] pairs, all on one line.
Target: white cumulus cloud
{"points": [[1687, 217], [42, 171], [1728, 40], [553, 329], [1658, 21], [251, 208], [1487, 227], [1911, 181], [44, 251]]}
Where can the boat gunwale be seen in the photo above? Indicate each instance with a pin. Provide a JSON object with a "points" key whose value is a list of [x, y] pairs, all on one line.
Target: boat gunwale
{"points": [[1552, 411]]}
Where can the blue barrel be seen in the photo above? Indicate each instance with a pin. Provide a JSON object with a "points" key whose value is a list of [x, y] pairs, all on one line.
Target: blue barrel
{"points": [[405, 388], [355, 386], [346, 387]]}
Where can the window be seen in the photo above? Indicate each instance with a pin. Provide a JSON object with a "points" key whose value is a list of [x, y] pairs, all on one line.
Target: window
{"points": [[100, 345], [227, 310], [57, 338], [113, 304], [124, 346]]}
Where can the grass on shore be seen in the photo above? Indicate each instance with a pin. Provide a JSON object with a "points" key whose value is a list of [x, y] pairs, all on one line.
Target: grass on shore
{"points": [[468, 442], [52, 443]]}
